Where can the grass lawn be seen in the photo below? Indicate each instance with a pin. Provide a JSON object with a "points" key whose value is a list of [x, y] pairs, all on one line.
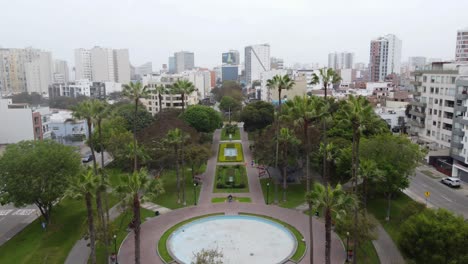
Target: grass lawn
{"points": [[33, 245], [162, 249], [119, 225], [241, 184], [301, 245], [235, 136], [378, 207], [169, 180], [238, 158], [237, 199], [367, 254], [295, 194]]}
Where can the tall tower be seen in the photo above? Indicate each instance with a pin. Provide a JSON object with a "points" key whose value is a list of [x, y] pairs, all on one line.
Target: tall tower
{"points": [[385, 57], [257, 60], [461, 51]]}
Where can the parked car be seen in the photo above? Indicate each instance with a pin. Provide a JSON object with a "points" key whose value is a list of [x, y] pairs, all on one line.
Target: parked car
{"points": [[87, 158], [451, 181]]}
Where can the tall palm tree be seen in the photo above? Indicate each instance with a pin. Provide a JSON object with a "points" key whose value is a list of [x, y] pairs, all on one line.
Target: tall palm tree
{"points": [[368, 171], [183, 87], [87, 110], [287, 140], [136, 188], [326, 76], [335, 203], [160, 90], [81, 187], [304, 111], [135, 91], [175, 138], [359, 113]]}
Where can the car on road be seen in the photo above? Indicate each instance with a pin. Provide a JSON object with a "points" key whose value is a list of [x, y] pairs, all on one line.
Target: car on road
{"points": [[451, 181], [87, 158]]}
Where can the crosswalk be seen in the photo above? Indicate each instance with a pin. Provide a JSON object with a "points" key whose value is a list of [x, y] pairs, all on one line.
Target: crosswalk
{"points": [[18, 212]]}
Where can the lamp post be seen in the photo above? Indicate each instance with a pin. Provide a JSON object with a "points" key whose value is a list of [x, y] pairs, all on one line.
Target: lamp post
{"points": [[195, 193], [347, 246], [115, 249], [268, 192]]}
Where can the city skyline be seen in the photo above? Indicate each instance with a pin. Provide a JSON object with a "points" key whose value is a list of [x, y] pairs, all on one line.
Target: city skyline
{"points": [[210, 31]]}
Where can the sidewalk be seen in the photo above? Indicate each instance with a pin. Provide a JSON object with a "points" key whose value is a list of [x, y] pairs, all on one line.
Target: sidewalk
{"points": [[386, 249]]}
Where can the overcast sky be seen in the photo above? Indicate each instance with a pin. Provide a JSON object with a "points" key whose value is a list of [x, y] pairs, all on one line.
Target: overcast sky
{"points": [[303, 31]]}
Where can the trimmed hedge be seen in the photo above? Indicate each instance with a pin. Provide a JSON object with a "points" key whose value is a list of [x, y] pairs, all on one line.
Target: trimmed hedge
{"points": [[238, 158]]}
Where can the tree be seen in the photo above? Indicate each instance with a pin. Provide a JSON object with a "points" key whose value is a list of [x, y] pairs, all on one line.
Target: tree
{"points": [[396, 157], [335, 203], [88, 110], [85, 186], [257, 115], [229, 104], [29, 98], [37, 172], [125, 110], [368, 172], [435, 236], [202, 118], [210, 256], [184, 88], [65, 102], [196, 156], [160, 90], [135, 91], [366, 227], [228, 88], [304, 111], [136, 188], [287, 141]]}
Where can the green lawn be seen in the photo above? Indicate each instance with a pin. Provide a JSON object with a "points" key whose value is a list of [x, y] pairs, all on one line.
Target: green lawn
{"points": [[119, 227], [33, 245], [301, 245], [162, 249], [241, 183], [237, 199], [235, 136], [169, 180], [237, 146], [295, 194]]}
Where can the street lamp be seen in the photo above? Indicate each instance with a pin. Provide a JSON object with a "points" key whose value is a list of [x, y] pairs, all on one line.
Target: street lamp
{"points": [[268, 191], [195, 193], [115, 249], [347, 246]]}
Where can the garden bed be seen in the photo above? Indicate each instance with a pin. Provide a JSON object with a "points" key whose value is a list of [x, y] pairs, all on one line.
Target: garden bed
{"points": [[230, 152], [231, 179]]}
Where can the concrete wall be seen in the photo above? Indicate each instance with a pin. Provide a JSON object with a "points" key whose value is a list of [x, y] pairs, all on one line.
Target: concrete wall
{"points": [[16, 124]]}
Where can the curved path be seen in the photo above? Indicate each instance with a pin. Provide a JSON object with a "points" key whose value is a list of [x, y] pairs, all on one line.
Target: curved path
{"points": [[153, 229]]}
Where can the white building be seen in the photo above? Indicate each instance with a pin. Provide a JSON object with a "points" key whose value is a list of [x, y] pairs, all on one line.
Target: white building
{"points": [[262, 92], [341, 60], [144, 69], [257, 60], [121, 66], [461, 51], [83, 69], [201, 79], [61, 72], [276, 63], [65, 129], [39, 73], [184, 60], [84, 87], [385, 57]]}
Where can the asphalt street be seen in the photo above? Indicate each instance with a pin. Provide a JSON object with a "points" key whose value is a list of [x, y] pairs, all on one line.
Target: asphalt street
{"points": [[13, 220], [441, 196]]}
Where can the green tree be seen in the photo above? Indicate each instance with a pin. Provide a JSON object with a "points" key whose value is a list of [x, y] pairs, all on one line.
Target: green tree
{"points": [[135, 91], [37, 172], [85, 186], [228, 88], [257, 115], [368, 172], [287, 142], [175, 139], [196, 156], [202, 118], [184, 88], [304, 111], [127, 111], [160, 90], [229, 104], [435, 236], [366, 227], [136, 188], [88, 110], [335, 203]]}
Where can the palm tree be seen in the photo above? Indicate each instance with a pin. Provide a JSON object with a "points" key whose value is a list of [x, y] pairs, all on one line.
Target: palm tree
{"points": [[335, 203], [175, 138], [135, 91], [359, 113], [286, 140], [81, 187], [136, 188], [326, 76], [87, 110], [368, 171], [160, 90], [304, 110], [183, 87]]}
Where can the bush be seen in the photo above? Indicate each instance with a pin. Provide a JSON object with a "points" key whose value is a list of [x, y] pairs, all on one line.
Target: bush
{"points": [[410, 210], [202, 118]]}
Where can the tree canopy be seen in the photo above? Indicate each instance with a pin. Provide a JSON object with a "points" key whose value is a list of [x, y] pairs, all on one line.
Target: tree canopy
{"points": [[37, 172], [144, 118], [229, 104], [228, 88], [257, 115], [202, 118]]}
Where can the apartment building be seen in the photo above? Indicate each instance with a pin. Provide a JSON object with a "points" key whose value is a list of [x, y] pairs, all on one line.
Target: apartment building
{"points": [[461, 50], [257, 60], [65, 129], [385, 57], [341, 60], [99, 90]]}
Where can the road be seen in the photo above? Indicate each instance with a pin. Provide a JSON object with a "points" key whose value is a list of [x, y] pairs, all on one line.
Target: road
{"points": [[13, 220], [441, 196]]}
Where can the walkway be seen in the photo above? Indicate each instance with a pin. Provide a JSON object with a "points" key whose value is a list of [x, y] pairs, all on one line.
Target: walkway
{"points": [[386, 248]]}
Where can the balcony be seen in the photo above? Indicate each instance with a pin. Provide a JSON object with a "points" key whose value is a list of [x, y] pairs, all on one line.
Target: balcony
{"points": [[416, 103], [457, 145], [458, 132], [462, 96], [416, 123], [460, 108], [416, 83], [417, 113], [459, 119]]}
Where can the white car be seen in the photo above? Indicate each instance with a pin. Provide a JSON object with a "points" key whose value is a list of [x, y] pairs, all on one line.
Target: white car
{"points": [[451, 181]]}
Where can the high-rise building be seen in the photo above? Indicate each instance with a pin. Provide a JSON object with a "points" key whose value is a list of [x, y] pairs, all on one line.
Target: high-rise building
{"points": [[231, 57], [276, 63], [102, 64], [172, 67], [385, 57], [184, 60], [257, 60], [341, 60], [61, 72], [230, 73], [39, 73], [144, 69], [461, 51]]}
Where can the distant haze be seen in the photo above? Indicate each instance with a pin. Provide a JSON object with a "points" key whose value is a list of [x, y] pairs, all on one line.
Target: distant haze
{"points": [[303, 31]]}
